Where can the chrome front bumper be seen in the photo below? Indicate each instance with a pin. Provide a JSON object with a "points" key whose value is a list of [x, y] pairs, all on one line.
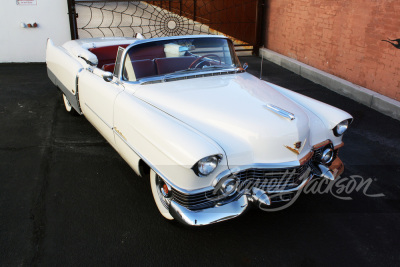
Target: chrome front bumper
{"points": [[209, 215], [237, 207]]}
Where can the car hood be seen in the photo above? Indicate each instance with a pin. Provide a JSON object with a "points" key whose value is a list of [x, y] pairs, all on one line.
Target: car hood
{"points": [[231, 110]]}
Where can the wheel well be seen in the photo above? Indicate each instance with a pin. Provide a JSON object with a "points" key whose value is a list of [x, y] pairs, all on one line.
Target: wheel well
{"points": [[144, 169]]}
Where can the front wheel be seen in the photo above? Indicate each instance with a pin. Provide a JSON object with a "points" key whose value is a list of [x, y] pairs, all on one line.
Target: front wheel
{"points": [[160, 191], [68, 106]]}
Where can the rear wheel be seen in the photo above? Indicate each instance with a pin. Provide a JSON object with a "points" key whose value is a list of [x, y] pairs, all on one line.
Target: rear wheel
{"points": [[160, 191], [68, 106]]}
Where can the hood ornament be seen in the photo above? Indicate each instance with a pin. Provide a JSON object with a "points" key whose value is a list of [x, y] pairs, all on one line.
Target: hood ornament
{"points": [[280, 112], [297, 147]]}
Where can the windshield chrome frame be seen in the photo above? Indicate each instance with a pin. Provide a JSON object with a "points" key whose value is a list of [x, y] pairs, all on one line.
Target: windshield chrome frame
{"points": [[164, 78], [161, 77]]}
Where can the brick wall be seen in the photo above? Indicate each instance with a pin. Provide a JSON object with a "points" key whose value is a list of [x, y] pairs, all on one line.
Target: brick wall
{"points": [[341, 37]]}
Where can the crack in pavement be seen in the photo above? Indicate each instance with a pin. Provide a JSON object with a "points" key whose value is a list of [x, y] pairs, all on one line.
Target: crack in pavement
{"points": [[38, 210]]}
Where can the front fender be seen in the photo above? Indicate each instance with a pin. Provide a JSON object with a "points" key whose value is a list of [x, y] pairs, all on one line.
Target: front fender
{"points": [[330, 115], [163, 141]]}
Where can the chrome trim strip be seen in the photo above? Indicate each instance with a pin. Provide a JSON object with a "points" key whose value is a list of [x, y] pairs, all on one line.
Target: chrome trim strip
{"points": [[143, 41], [108, 125], [77, 90], [281, 112]]}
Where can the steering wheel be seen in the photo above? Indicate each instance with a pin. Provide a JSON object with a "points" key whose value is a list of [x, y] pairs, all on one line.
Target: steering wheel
{"points": [[198, 61]]}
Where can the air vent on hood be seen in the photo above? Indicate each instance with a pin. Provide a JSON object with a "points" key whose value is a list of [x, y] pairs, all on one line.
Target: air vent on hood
{"points": [[280, 112]]}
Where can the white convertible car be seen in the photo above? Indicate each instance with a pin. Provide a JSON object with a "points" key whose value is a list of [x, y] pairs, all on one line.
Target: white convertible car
{"points": [[182, 112]]}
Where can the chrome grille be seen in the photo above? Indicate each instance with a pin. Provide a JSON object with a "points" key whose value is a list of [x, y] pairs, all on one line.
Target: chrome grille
{"points": [[194, 201], [272, 179], [317, 154]]}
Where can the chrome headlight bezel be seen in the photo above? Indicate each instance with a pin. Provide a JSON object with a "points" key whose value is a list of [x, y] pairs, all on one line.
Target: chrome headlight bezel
{"points": [[207, 165], [327, 155], [341, 128]]}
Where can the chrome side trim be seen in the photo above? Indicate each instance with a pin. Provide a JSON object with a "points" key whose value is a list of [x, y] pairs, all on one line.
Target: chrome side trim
{"points": [[281, 112], [77, 90], [108, 125]]}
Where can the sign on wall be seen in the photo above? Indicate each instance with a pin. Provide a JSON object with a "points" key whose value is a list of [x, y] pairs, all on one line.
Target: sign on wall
{"points": [[26, 2]]}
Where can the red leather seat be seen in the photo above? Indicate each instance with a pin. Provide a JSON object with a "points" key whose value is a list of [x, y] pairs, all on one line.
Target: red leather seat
{"points": [[172, 64], [109, 67], [152, 52], [106, 54], [142, 68]]}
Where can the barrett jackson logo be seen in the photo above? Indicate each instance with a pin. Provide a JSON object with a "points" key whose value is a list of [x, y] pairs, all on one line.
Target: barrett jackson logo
{"points": [[395, 42]]}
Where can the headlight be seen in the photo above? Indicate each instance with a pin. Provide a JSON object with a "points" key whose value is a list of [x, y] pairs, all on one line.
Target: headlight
{"points": [[207, 165], [341, 128]]}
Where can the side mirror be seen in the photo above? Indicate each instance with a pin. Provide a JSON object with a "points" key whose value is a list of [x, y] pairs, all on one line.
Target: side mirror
{"points": [[245, 66], [107, 76]]}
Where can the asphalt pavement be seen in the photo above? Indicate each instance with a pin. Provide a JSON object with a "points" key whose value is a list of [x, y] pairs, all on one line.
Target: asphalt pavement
{"points": [[67, 198]]}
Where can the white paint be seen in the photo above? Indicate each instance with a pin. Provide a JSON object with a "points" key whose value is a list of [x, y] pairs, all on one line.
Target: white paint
{"points": [[19, 44], [26, 2]]}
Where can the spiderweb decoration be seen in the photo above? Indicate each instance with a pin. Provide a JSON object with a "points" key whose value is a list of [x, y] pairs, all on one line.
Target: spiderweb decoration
{"points": [[150, 18], [103, 19]]}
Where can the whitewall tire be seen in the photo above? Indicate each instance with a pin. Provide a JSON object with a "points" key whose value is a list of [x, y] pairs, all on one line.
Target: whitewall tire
{"points": [[68, 106], [158, 197]]}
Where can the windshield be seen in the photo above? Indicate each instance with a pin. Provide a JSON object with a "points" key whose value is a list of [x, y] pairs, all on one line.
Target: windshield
{"points": [[176, 56]]}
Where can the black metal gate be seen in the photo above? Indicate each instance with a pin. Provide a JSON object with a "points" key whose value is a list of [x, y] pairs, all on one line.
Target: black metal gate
{"points": [[241, 20]]}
